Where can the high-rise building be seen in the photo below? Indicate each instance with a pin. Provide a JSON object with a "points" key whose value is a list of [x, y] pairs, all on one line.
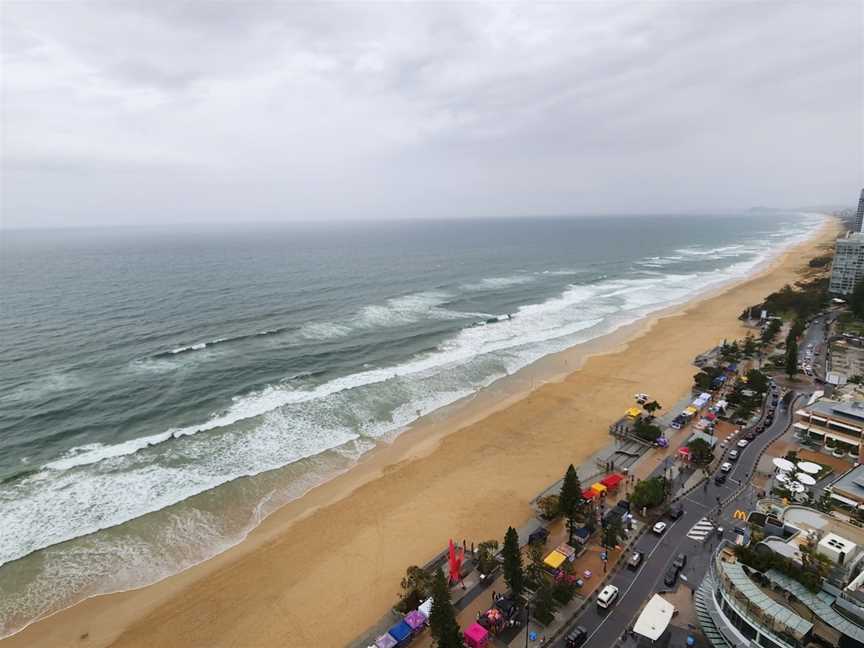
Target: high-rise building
{"points": [[848, 266], [859, 215]]}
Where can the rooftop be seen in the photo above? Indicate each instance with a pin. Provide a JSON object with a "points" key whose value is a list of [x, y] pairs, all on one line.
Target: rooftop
{"points": [[757, 598], [851, 482], [853, 410]]}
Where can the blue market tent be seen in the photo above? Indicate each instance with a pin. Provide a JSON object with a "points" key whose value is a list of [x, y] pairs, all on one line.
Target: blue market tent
{"points": [[401, 632]]}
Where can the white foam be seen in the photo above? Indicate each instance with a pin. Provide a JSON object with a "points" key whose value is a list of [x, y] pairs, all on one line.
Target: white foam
{"points": [[496, 283]]}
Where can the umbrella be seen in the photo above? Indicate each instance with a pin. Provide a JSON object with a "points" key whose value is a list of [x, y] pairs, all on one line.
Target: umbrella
{"points": [[796, 487], [783, 464], [805, 479], [782, 477], [809, 467]]}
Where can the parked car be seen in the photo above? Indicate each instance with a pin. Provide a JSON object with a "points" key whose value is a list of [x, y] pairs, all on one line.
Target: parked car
{"points": [[769, 421], [635, 560], [733, 455], [576, 637], [659, 528], [720, 478], [538, 536], [680, 561], [742, 443], [676, 512], [607, 597], [726, 466], [671, 576]]}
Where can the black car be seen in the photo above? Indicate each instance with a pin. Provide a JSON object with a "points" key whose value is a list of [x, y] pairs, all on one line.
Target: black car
{"points": [[680, 561], [676, 512], [671, 576], [720, 478], [769, 421], [577, 637]]}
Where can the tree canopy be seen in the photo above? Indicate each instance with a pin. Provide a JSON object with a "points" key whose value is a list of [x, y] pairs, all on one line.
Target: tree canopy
{"points": [[700, 451], [649, 492]]}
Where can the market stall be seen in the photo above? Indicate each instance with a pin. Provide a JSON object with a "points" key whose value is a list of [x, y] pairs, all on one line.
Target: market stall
{"points": [[476, 636]]}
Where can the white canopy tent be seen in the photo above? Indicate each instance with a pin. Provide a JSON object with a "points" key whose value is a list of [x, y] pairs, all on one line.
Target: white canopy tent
{"points": [[809, 467], [655, 618], [784, 464]]}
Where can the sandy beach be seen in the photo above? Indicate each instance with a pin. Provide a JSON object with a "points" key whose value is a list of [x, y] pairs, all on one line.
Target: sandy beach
{"points": [[323, 568]]}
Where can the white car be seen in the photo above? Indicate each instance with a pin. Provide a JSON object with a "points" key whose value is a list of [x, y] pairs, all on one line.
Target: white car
{"points": [[733, 455], [726, 466], [743, 443], [607, 596], [659, 528]]}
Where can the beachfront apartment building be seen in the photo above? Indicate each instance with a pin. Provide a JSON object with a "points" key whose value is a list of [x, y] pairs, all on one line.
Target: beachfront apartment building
{"points": [[859, 215], [847, 268], [736, 605], [837, 427]]}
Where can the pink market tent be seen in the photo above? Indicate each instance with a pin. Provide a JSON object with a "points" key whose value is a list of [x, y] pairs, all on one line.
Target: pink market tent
{"points": [[589, 494], [385, 641], [416, 619], [476, 636], [684, 452]]}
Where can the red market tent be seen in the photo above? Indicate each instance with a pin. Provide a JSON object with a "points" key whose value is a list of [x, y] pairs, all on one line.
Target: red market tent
{"points": [[612, 481], [589, 494]]}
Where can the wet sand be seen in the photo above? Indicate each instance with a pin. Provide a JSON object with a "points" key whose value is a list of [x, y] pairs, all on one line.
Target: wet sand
{"points": [[323, 568]]}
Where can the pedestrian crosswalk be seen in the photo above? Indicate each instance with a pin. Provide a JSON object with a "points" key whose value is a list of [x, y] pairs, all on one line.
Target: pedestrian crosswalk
{"points": [[700, 530]]}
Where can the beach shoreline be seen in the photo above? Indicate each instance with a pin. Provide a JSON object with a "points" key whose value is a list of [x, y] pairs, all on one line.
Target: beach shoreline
{"points": [[397, 506]]}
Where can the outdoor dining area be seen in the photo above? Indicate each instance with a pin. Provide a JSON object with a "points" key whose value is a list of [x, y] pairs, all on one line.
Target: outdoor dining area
{"points": [[795, 478]]}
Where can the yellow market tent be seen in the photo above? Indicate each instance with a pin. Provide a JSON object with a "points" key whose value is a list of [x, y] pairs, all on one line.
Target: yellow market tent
{"points": [[633, 412], [690, 411], [555, 559], [598, 487]]}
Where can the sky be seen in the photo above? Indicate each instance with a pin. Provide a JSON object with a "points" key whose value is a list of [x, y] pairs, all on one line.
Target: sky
{"points": [[154, 112]]}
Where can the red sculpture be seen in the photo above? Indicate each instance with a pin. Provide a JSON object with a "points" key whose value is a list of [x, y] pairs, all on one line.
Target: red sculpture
{"points": [[456, 563]]}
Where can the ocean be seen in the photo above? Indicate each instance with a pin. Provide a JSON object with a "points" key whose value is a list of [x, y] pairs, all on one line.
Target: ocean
{"points": [[162, 390]]}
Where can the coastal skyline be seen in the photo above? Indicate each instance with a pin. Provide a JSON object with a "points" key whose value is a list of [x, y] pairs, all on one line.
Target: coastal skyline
{"points": [[155, 113]]}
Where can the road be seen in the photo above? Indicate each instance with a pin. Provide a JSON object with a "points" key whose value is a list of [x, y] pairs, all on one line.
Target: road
{"points": [[814, 338], [636, 587]]}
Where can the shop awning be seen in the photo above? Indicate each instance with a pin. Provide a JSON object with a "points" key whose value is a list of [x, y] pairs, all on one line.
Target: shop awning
{"points": [[845, 500], [843, 438], [555, 559]]}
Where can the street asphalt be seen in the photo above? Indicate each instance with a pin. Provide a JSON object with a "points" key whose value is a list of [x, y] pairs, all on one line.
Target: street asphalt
{"points": [[605, 627]]}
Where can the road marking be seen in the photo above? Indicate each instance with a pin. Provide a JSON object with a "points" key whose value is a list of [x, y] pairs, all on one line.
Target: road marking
{"points": [[702, 504], [700, 530], [621, 595]]}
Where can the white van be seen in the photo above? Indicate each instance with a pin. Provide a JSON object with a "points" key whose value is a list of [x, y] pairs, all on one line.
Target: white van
{"points": [[607, 597]]}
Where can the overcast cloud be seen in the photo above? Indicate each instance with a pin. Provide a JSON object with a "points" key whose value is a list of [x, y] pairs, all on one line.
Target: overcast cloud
{"points": [[153, 111]]}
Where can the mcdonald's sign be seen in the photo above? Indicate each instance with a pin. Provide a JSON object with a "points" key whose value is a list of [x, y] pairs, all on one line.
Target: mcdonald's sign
{"points": [[740, 515]]}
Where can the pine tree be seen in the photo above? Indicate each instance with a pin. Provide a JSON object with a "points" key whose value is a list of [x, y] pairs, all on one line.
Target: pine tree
{"points": [[513, 574], [570, 499], [791, 355], [442, 617]]}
